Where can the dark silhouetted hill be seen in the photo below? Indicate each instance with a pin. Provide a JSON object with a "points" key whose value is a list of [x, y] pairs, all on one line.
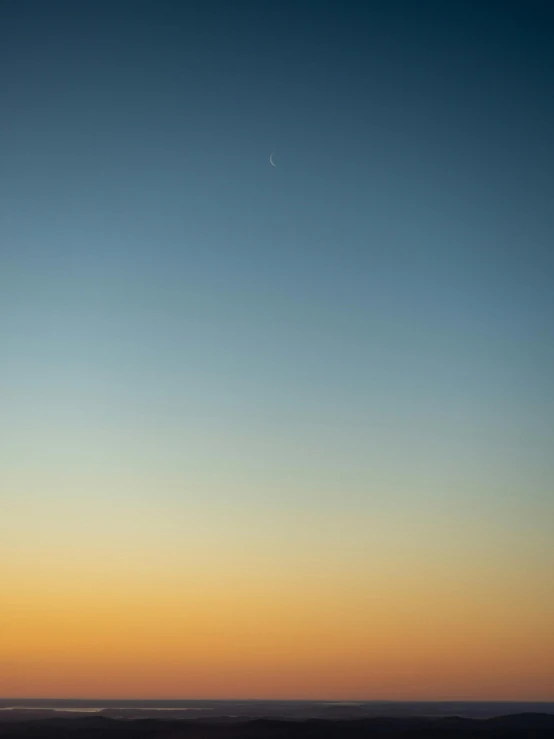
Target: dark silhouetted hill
{"points": [[518, 726]]}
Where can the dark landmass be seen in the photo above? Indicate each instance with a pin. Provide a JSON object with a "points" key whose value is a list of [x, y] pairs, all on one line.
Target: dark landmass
{"points": [[514, 726], [27, 708]]}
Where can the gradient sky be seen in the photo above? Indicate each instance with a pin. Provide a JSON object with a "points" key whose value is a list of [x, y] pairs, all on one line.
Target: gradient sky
{"points": [[277, 432]]}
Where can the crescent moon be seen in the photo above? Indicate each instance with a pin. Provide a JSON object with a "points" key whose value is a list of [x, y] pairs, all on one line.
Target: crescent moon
{"points": [[271, 161]]}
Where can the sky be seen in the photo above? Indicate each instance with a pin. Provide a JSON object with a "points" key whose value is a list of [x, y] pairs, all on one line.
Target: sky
{"points": [[277, 432]]}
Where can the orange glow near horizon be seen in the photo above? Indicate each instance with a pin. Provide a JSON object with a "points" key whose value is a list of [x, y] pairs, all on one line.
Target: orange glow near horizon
{"points": [[273, 640]]}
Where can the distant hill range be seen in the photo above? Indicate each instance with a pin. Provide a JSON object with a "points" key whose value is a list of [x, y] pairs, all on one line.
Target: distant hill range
{"points": [[18, 725]]}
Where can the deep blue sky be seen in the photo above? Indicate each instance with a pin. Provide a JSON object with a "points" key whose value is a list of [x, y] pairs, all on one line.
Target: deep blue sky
{"points": [[371, 317]]}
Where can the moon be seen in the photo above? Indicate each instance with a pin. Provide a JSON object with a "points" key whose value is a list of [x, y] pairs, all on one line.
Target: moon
{"points": [[271, 160]]}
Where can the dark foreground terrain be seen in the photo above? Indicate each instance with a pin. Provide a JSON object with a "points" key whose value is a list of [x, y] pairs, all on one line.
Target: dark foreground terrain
{"points": [[515, 726]]}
